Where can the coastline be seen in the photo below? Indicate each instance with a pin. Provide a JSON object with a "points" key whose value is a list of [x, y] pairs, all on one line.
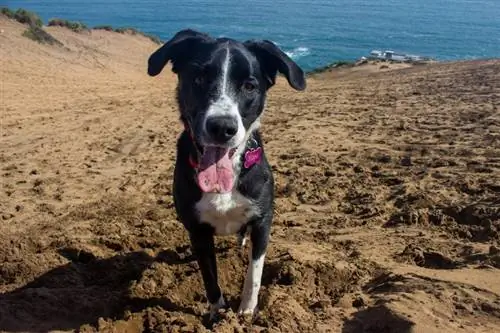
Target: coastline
{"points": [[36, 25], [33, 20]]}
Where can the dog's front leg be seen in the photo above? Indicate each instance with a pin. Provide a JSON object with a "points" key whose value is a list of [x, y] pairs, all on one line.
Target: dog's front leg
{"points": [[202, 242], [259, 237]]}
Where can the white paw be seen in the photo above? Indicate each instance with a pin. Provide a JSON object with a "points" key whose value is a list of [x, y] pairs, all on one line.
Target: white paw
{"points": [[214, 308], [248, 306], [246, 312]]}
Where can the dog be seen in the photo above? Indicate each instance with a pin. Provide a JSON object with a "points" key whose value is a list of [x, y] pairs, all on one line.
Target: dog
{"points": [[223, 183]]}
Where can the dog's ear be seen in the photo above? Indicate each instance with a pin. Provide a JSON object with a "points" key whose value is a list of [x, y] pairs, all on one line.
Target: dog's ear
{"points": [[273, 60], [175, 50]]}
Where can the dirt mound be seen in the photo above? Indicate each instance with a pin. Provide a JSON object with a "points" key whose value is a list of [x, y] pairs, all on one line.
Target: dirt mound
{"points": [[387, 211]]}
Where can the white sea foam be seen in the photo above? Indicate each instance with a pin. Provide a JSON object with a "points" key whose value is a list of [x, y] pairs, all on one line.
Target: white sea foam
{"points": [[298, 52]]}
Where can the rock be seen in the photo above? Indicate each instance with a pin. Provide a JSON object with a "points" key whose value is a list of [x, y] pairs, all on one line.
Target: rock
{"points": [[384, 158], [406, 161], [494, 250], [358, 302], [358, 169]]}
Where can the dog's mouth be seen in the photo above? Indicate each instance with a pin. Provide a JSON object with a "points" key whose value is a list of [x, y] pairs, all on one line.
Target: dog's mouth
{"points": [[215, 170]]}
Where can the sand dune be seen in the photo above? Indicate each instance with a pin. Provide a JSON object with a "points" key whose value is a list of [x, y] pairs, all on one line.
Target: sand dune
{"points": [[387, 208]]}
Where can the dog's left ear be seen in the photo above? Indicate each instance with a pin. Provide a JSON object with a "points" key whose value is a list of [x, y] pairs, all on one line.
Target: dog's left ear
{"points": [[273, 60], [176, 50]]}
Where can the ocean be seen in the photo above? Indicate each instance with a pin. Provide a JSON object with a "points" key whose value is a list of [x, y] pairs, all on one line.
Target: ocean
{"points": [[314, 33]]}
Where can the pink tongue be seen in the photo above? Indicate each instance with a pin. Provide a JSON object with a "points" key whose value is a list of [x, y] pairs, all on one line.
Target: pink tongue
{"points": [[216, 170]]}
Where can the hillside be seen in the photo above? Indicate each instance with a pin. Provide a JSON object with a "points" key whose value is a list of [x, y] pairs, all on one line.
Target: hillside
{"points": [[387, 208]]}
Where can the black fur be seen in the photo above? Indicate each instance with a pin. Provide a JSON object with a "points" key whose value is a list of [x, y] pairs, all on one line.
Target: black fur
{"points": [[198, 59]]}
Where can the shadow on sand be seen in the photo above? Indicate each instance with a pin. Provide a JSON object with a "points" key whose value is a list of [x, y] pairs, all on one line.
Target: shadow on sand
{"points": [[81, 292], [377, 319]]}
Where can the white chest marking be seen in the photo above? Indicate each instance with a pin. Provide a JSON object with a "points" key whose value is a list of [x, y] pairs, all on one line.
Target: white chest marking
{"points": [[226, 212]]}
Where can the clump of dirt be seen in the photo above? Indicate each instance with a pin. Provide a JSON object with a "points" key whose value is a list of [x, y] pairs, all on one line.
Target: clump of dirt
{"points": [[428, 258], [479, 221]]}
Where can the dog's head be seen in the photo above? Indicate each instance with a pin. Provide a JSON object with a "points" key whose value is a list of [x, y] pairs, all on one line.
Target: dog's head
{"points": [[222, 86], [223, 83]]}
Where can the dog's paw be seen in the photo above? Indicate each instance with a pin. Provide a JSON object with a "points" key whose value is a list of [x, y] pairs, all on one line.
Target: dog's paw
{"points": [[214, 308], [247, 307], [246, 312]]}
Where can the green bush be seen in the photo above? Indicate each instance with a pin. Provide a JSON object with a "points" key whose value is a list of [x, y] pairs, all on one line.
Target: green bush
{"points": [[154, 38], [34, 31], [23, 16], [128, 30], [72, 25], [103, 27], [27, 17], [7, 12], [132, 31], [342, 63], [337, 64], [39, 35]]}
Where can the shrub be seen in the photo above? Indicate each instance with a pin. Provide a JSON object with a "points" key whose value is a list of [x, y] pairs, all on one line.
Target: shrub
{"points": [[34, 31], [7, 12], [129, 30], [27, 17], [23, 16], [103, 27], [154, 38], [337, 64], [342, 63], [72, 25], [39, 35], [132, 31]]}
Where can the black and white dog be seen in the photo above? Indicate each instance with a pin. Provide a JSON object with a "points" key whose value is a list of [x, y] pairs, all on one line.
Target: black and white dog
{"points": [[223, 183]]}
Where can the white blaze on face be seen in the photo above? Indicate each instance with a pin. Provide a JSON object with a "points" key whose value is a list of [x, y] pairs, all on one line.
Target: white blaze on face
{"points": [[226, 104]]}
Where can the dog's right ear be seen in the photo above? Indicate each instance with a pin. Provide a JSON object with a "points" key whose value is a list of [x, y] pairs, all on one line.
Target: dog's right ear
{"points": [[175, 50]]}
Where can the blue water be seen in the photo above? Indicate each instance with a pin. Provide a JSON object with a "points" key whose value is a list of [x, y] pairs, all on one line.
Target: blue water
{"points": [[315, 32]]}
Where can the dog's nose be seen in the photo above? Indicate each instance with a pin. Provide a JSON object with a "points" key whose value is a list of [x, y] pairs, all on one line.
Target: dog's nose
{"points": [[221, 128]]}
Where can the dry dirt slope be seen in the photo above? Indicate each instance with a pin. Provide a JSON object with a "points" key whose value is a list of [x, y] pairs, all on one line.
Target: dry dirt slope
{"points": [[388, 198]]}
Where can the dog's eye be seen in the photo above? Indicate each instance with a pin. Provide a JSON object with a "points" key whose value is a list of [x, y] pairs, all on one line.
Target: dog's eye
{"points": [[248, 86]]}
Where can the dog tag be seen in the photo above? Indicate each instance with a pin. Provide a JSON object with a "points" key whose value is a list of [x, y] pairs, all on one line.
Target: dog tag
{"points": [[252, 156]]}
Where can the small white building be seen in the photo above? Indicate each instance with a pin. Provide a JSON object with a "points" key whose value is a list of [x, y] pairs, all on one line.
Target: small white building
{"points": [[393, 56]]}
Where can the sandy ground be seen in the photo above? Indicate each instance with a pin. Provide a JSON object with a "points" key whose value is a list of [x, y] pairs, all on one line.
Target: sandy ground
{"points": [[387, 208]]}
